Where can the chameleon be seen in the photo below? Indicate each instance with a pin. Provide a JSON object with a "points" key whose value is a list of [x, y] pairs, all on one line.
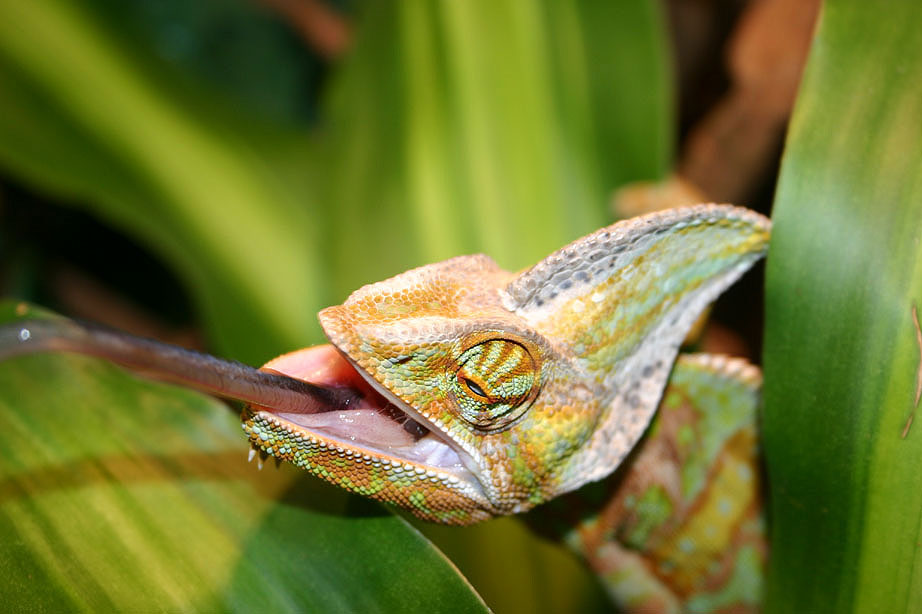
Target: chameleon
{"points": [[460, 391]]}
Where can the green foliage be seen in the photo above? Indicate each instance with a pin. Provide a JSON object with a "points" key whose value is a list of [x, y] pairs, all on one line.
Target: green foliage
{"points": [[450, 128], [841, 351]]}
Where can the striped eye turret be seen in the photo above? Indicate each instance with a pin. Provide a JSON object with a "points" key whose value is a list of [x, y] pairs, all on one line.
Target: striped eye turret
{"points": [[495, 382]]}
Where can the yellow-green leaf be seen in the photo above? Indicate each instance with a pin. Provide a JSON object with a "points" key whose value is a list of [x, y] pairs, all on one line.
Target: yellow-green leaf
{"points": [[842, 350]]}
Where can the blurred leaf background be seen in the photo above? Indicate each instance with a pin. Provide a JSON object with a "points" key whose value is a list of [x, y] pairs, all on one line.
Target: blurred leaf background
{"points": [[214, 172]]}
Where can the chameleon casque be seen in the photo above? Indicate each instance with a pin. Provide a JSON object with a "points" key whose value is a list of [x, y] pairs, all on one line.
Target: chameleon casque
{"points": [[474, 392]]}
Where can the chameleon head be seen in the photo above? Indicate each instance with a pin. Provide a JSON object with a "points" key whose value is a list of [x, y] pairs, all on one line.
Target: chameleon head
{"points": [[486, 392]]}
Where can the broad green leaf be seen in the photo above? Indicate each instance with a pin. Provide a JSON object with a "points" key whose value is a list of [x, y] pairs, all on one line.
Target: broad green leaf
{"points": [[118, 494], [841, 350]]}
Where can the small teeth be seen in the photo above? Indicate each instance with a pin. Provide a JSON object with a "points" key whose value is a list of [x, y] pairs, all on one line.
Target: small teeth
{"points": [[251, 455], [263, 455]]}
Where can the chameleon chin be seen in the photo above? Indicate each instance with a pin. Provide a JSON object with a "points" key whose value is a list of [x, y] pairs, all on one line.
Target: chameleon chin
{"points": [[460, 391]]}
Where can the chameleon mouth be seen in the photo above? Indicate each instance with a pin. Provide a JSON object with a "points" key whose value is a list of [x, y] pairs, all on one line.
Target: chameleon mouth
{"points": [[373, 423]]}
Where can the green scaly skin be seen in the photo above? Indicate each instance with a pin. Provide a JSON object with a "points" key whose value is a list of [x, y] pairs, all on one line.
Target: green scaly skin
{"points": [[679, 526], [515, 389]]}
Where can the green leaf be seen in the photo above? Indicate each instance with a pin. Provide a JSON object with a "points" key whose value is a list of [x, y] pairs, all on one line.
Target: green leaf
{"points": [[119, 494], [841, 350]]}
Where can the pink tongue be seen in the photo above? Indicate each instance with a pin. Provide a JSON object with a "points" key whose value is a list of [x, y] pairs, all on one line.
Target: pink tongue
{"points": [[325, 366]]}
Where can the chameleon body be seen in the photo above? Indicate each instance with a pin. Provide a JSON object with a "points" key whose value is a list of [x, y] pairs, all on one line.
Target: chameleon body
{"points": [[460, 391], [495, 392], [679, 526]]}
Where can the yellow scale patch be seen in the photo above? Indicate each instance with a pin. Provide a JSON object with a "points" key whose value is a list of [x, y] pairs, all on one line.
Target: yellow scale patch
{"points": [[706, 536]]}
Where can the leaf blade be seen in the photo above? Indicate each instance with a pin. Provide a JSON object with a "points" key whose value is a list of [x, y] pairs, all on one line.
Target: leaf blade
{"points": [[840, 352]]}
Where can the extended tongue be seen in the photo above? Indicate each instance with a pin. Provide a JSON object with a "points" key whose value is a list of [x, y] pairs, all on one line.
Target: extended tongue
{"points": [[223, 378]]}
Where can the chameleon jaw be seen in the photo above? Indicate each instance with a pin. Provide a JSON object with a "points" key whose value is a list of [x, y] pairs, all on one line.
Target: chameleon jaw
{"points": [[376, 448]]}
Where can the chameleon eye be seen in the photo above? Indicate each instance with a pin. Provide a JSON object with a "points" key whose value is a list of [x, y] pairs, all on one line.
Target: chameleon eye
{"points": [[495, 378], [472, 385]]}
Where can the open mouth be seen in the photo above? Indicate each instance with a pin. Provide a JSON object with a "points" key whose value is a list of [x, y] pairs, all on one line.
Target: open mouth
{"points": [[375, 423]]}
